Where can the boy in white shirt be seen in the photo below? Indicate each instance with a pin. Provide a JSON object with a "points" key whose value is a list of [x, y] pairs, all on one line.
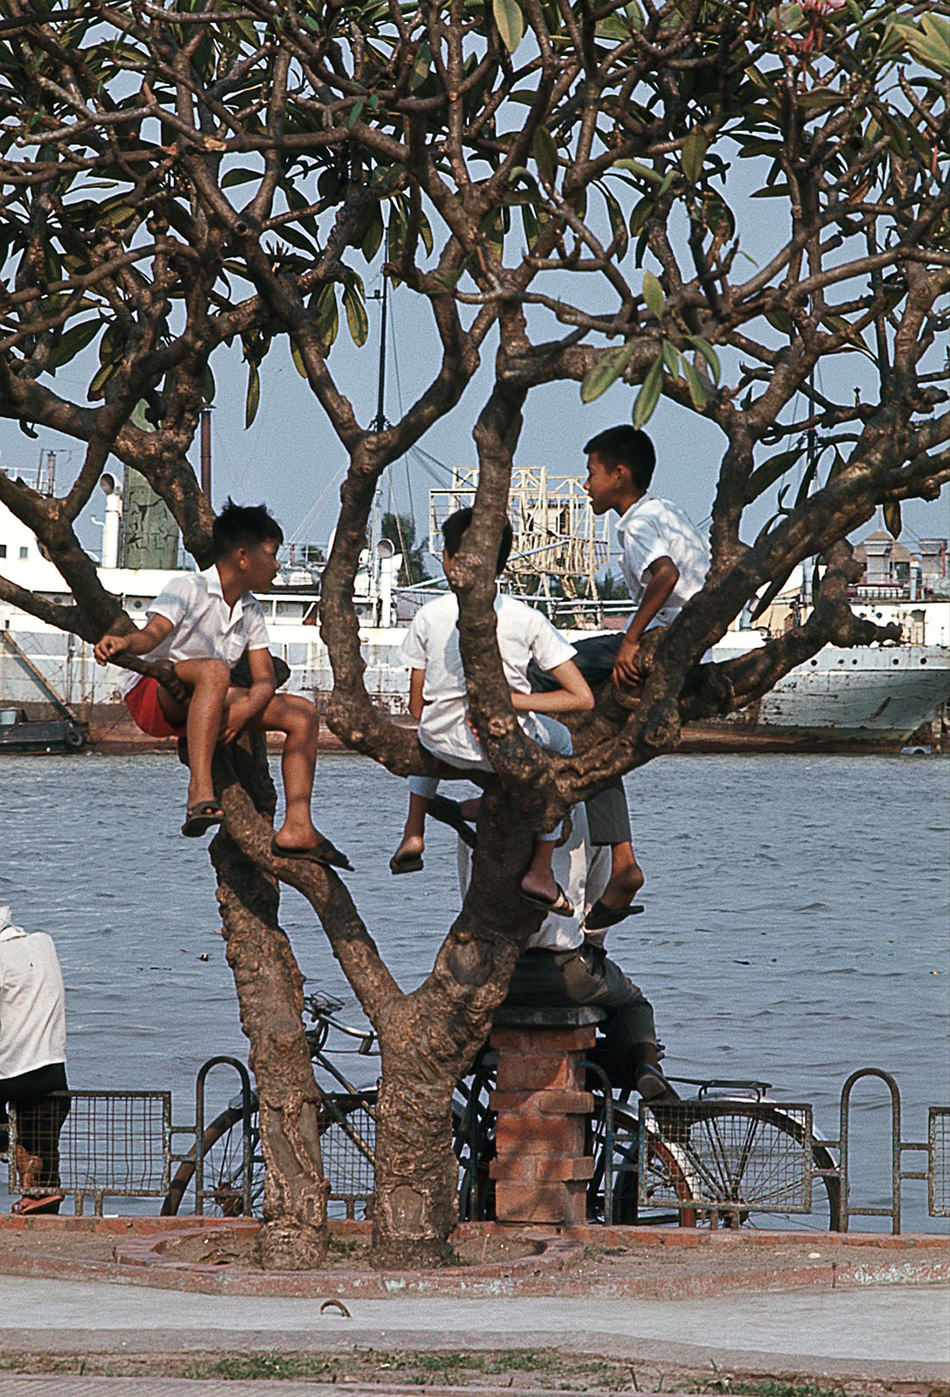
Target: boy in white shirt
{"points": [[664, 562], [438, 698], [203, 623]]}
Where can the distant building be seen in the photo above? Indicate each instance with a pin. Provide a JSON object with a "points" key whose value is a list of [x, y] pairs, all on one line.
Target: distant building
{"points": [[892, 572]]}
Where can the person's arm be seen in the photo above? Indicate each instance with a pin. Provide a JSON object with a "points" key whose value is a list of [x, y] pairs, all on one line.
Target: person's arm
{"points": [[664, 575], [245, 704], [573, 696], [137, 642], [417, 679]]}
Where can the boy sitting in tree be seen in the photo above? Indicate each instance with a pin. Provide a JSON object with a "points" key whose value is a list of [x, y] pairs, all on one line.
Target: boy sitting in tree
{"points": [[203, 623], [438, 698]]}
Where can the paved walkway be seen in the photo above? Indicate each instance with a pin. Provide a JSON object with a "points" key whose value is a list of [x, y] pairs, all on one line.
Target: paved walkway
{"points": [[880, 1332]]}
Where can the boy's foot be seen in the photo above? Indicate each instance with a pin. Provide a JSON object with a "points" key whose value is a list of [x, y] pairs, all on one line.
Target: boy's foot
{"points": [[559, 905], [449, 812], [653, 1086], [200, 817], [600, 916], [323, 853], [408, 857]]}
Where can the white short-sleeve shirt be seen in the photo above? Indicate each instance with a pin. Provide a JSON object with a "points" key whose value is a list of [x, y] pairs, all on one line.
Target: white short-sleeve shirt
{"points": [[653, 528], [432, 644], [204, 627], [32, 1003]]}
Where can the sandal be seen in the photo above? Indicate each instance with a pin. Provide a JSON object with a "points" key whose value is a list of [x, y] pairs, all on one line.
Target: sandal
{"points": [[600, 917], [559, 906], [49, 1203], [200, 817], [405, 863], [325, 854]]}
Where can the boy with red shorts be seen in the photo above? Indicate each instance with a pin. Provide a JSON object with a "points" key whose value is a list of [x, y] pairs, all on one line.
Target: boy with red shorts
{"points": [[203, 623]]}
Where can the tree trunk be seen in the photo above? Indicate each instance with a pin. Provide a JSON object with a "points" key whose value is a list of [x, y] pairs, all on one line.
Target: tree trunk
{"points": [[270, 995], [415, 1205]]}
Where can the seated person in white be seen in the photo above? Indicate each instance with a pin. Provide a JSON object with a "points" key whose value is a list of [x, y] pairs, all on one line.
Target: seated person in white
{"points": [[204, 623], [438, 698]]}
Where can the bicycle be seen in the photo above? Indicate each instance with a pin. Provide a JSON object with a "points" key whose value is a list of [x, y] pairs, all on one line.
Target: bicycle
{"points": [[719, 1157]]}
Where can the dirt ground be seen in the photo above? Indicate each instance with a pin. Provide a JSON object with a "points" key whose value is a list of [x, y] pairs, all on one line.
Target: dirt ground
{"points": [[656, 1262]]}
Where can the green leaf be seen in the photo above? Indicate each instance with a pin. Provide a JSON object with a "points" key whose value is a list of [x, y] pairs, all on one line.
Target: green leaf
{"points": [[697, 392], [694, 153], [421, 66], [232, 177], [253, 395], [100, 380], [297, 357], [606, 371], [704, 348], [510, 22], [326, 316], [649, 394], [618, 224], [931, 45], [73, 342], [653, 295], [671, 357], [892, 518], [356, 112], [625, 163], [545, 154], [356, 318], [770, 471]]}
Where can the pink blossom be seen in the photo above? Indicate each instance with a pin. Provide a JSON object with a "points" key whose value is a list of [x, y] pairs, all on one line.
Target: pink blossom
{"points": [[821, 7]]}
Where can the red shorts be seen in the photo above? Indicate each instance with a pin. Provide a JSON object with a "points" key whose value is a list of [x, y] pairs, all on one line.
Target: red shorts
{"points": [[142, 703]]}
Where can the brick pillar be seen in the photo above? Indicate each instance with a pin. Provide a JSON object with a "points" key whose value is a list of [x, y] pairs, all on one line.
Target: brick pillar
{"points": [[540, 1168]]}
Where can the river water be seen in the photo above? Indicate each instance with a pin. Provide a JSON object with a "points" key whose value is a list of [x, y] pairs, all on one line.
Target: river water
{"points": [[796, 923]]}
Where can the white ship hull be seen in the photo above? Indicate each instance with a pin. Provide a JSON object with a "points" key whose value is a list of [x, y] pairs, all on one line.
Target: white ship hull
{"points": [[871, 697]]}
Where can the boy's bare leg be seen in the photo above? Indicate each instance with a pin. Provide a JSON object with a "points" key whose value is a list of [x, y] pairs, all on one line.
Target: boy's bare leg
{"points": [[208, 681], [413, 841], [626, 878], [538, 879], [298, 719]]}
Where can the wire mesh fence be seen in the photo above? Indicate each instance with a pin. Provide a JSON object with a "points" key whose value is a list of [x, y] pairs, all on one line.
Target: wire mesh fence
{"points": [[92, 1144]]}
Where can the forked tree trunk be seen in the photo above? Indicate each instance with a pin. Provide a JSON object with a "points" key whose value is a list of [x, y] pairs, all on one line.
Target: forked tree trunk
{"points": [[270, 996]]}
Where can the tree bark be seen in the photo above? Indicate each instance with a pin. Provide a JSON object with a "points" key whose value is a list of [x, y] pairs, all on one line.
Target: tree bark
{"points": [[269, 988]]}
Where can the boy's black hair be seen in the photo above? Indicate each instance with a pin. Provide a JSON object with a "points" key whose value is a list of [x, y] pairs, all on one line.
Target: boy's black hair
{"points": [[625, 446], [454, 527], [243, 526]]}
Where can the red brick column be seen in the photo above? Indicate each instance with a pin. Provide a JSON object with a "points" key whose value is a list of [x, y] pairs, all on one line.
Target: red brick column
{"points": [[540, 1169]]}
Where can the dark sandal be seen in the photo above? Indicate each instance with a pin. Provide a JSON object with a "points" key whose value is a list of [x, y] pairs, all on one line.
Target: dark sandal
{"points": [[325, 854], [600, 917], [560, 906], [405, 863], [200, 817]]}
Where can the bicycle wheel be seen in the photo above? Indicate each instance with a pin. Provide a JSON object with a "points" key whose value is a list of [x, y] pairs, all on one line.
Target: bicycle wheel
{"points": [[742, 1157], [668, 1176], [473, 1140], [347, 1128], [223, 1147]]}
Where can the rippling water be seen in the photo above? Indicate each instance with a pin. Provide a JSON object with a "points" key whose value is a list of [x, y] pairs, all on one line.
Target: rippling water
{"points": [[796, 924]]}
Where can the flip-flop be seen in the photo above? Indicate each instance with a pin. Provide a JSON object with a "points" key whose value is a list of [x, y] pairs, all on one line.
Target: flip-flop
{"points": [[449, 812], [599, 917], [200, 817], [560, 906], [47, 1204], [325, 854], [407, 863]]}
